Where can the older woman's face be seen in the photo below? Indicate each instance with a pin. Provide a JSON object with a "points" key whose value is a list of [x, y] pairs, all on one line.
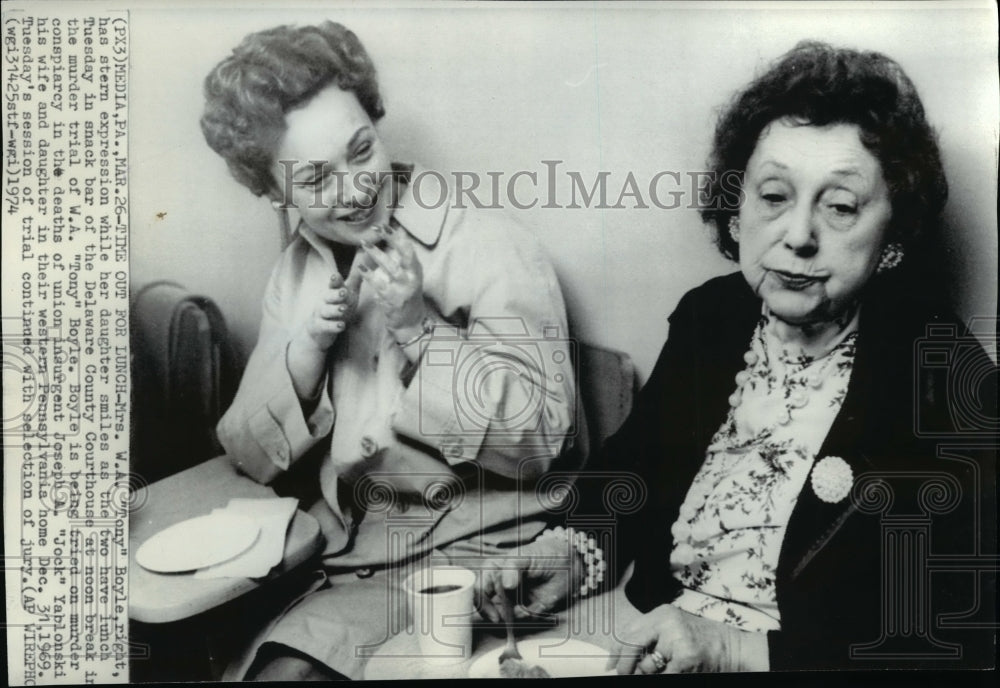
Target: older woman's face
{"points": [[813, 220], [331, 164]]}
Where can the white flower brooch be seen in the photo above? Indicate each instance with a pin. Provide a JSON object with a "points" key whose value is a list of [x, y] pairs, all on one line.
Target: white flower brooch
{"points": [[832, 479]]}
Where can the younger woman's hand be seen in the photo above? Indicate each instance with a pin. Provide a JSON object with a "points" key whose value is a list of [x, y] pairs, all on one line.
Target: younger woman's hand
{"points": [[546, 573], [396, 277], [334, 310]]}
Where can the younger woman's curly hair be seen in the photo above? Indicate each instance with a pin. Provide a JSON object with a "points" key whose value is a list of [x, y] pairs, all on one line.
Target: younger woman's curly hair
{"points": [[817, 84], [269, 73]]}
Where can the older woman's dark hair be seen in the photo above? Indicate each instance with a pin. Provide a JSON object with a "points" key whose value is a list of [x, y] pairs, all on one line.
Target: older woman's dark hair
{"points": [[816, 84], [270, 73]]}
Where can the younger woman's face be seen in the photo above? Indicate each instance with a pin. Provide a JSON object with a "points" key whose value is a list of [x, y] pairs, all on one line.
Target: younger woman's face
{"points": [[331, 165], [814, 218]]}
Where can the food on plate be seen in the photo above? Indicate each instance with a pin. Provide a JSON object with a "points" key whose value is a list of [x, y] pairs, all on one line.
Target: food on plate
{"points": [[518, 668]]}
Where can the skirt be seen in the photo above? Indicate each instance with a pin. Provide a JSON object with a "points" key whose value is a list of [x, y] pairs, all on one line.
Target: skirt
{"points": [[343, 618]]}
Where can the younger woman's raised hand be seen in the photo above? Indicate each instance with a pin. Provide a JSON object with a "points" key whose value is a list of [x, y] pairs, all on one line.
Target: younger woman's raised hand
{"points": [[396, 276], [334, 310]]}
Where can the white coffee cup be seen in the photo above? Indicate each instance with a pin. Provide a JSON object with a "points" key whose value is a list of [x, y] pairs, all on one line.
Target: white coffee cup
{"points": [[441, 605]]}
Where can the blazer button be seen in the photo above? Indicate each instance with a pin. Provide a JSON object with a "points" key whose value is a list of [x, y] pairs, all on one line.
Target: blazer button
{"points": [[453, 446], [364, 572], [368, 447]]}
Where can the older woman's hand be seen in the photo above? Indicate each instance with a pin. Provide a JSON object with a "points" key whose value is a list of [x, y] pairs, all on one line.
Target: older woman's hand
{"points": [[397, 278], [541, 569], [686, 643]]}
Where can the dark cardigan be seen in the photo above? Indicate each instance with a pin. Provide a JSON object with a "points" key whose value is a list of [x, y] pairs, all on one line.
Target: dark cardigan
{"points": [[831, 591]]}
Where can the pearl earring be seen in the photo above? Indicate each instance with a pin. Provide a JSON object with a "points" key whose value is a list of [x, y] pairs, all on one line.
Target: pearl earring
{"points": [[734, 228], [892, 255]]}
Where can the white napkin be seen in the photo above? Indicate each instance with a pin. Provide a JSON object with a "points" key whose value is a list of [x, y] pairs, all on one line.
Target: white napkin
{"points": [[273, 516]]}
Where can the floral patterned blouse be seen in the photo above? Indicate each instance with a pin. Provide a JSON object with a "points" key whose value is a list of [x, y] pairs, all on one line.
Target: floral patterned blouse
{"points": [[732, 522]]}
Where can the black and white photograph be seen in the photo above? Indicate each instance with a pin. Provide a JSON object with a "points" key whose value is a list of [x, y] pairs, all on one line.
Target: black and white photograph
{"points": [[444, 340]]}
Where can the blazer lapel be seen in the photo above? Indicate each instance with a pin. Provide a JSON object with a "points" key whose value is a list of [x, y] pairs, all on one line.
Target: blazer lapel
{"points": [[814, 522]]}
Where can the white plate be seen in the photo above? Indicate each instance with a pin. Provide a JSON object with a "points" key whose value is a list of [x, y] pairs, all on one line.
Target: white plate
{"points": [[560, 658], [198, 542]]}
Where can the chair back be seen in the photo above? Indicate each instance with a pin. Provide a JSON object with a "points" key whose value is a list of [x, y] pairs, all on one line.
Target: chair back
{"points": [[185, 371], [607, 390]]}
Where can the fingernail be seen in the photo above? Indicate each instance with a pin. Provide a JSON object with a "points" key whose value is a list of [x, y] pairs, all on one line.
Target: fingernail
{"points": [[379, 229], [389, 230], [342, 309], [362, 268], [340, 326], [343, 293]]}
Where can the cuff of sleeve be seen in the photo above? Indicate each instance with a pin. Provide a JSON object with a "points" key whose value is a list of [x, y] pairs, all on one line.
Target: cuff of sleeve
{"points": [[280, 428], [428, 409], [751, 651]]}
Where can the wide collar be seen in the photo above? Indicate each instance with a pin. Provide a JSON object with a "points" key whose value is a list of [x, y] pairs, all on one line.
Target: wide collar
{"points": [[421, 210]]}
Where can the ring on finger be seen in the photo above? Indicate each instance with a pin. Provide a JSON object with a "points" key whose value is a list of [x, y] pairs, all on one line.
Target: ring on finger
{"points": [[659, 661]]}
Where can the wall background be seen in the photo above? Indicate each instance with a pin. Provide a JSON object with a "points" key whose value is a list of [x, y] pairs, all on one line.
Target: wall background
{"points": [[501, 88]]}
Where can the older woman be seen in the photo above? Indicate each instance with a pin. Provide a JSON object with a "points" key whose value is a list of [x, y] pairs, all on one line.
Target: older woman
{"points": [[411, 352], [782, 389]]}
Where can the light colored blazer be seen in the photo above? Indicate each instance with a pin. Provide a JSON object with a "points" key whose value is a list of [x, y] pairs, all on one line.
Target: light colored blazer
{"points": [[484, 412]]}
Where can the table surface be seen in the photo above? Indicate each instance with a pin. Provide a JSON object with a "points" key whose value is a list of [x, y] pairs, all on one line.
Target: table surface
{"points": [[160, 597], [592, 620]]}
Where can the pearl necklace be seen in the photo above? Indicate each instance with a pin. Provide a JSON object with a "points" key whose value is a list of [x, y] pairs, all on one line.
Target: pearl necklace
{"points": [[786, 371]]}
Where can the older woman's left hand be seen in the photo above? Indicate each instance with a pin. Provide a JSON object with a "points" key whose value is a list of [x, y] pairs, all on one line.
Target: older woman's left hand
{"points": [[687, 643], [397, 278]]}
